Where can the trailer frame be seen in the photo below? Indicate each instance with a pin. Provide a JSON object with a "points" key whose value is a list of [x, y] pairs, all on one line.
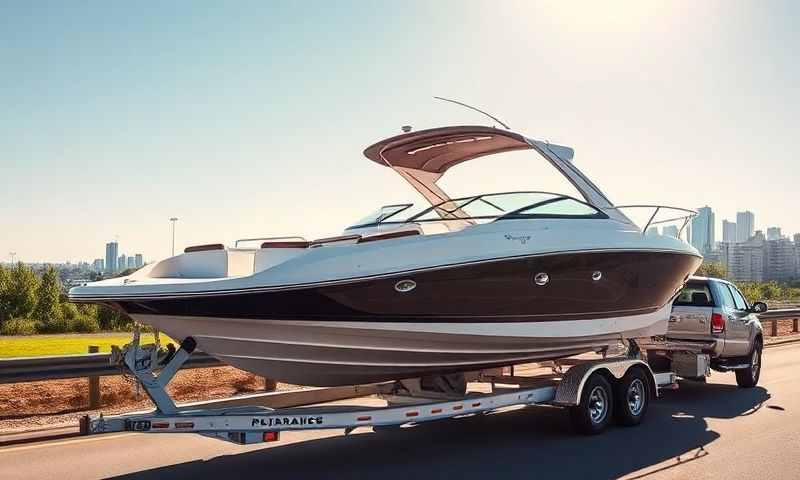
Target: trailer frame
{"points": [[255, 424]]}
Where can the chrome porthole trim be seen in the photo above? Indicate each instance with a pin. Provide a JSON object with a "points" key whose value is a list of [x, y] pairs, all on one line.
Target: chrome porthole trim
{"points": [[541, 279], [405, 286], [597, 275]]}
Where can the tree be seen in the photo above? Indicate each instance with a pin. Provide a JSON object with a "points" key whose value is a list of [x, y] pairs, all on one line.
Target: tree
{"points": [[5, 288], [21, 293], [712, 269], [48, 307]]}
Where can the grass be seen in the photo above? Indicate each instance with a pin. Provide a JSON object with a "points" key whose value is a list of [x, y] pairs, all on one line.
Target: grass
{"points": [[38, 345]]}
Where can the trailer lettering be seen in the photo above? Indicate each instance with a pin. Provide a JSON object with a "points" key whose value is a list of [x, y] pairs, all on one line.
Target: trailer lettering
{"points": [[279, 421]]}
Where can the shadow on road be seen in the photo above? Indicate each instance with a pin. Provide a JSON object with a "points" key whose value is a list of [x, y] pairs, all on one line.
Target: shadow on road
{"points": [[533, 441]]}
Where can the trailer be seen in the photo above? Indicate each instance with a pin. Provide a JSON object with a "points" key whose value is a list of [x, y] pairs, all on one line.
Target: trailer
{"points": [[597, 393]]}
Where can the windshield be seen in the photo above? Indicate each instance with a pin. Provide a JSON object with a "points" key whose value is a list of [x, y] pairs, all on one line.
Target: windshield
{"points": [[489, 207], [382, 214]]}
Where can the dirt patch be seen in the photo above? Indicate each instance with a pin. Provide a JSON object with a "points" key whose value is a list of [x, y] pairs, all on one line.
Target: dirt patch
{"points": [[38, 404]]}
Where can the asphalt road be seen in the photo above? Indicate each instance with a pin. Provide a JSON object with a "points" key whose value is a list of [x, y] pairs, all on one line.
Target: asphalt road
{"points": [[700, 431]]}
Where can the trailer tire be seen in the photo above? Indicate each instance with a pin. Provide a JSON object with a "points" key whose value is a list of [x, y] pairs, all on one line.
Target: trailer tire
{"points": [[632, 397], [748, 377], [593, 414]]}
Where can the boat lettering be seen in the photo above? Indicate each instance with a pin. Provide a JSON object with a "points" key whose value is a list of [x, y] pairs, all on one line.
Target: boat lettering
{"points": [[280, 421], [523, 239]]}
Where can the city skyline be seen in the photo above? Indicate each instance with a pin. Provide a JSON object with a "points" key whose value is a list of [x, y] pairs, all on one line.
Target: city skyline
{"points": [[252, 121]]}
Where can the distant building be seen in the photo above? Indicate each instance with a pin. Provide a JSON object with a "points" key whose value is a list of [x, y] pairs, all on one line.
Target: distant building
{"points": [[139, 260], [745, 260], [728, 231], [702, 233], [774, 233], [780, 260], [745, 225], [98, 265], [111, 256], [670, 230], [652, 231], [131, 262], [122, 263]]}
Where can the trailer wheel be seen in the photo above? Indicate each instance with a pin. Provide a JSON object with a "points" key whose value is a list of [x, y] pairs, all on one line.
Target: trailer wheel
{"points": [[593, 414], [632, 397], [748, 377]]}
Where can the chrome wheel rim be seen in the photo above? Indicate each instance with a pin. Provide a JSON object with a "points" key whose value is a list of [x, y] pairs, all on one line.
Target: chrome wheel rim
{"points": [[755, 363], [598, 404], [636, 392]]}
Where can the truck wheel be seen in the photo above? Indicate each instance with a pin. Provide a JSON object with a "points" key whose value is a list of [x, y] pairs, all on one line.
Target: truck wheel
{"points": [[593, 414], [632, 398], [748, 377]]}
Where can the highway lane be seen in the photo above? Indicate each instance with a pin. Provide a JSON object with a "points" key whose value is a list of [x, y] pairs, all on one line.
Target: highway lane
{"points": [[700, 431]]}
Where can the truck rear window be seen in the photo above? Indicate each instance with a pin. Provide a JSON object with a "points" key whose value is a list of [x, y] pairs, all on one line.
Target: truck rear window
{"points": [[695, 295]]}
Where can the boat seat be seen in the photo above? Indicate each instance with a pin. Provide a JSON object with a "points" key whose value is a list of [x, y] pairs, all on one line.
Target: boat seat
{"points": [[343, 239], [286, 244], [205, 261], [388, 235], [273, 253], [203, 248]]}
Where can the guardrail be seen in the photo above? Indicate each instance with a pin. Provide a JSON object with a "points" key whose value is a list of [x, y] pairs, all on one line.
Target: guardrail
{"points": [[775, 316], [33, 369]]}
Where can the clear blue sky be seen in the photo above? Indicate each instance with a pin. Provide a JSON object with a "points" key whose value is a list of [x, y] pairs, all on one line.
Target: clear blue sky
{"points": [[249, 118]]}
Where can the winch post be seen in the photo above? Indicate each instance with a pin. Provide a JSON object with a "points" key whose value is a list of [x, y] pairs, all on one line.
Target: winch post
{"points": [[155, 385]]}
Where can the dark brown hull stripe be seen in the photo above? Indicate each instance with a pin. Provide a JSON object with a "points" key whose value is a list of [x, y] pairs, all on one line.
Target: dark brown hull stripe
{"points": [[632, 283]]}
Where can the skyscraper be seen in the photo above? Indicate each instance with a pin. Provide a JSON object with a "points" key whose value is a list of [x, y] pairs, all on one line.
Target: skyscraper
{"points": [[122, 263], [746, 259], [774, 233], [702, 236], [728, 231], [745, 225], [111, 256], [98, 265], [131, 262], [139, 260]]}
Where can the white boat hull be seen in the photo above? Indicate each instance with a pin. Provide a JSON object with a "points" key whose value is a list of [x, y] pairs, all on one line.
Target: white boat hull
{"points": [[325, 353]]}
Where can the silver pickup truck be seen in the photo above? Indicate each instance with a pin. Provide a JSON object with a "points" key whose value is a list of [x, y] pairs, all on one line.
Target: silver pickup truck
{"points": [[711, 316]]}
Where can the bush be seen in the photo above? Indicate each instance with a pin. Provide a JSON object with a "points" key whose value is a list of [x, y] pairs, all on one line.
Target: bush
{"points": [[84, 324], [54, 325], [110, 319], [19, 326]]}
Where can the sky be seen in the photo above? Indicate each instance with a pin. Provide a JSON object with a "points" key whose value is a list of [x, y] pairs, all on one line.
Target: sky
{"points": [[248, 119]]}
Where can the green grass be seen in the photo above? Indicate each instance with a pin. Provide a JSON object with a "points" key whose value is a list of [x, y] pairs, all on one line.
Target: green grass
{"points": [[37, 345]]}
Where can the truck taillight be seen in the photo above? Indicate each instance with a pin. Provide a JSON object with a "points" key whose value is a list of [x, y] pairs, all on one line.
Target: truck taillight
{"points": [[717, 323]]}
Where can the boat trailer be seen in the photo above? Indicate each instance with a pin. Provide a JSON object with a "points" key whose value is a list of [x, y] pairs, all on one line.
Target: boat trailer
{"points": [[596, 391]]}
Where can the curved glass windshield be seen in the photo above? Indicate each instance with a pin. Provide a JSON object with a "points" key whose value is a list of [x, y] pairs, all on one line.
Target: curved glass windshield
{"points": [[564, 207], [383, 213], [488, 207]]}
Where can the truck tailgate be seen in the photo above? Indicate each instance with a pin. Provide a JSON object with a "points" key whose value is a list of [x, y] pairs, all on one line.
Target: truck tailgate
{"points": [[690, 322]]}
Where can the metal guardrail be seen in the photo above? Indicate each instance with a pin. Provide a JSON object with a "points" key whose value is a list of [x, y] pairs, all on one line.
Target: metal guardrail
{"points": [[33, 369], [774, 316], [778, 314]]}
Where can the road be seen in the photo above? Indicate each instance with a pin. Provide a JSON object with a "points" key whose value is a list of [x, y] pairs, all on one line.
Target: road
{"points": [[700, 431]]}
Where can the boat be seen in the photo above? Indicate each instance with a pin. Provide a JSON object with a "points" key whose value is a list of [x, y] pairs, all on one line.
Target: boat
{"points": [[463, 284]]}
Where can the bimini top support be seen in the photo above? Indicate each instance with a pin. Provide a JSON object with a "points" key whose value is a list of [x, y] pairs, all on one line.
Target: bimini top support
{"points": [[423, 156]]}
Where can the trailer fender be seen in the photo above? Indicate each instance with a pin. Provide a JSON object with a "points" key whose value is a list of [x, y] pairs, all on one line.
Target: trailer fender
{"points": [[568, 392]]}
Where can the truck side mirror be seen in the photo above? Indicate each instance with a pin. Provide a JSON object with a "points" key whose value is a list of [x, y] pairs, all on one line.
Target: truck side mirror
{"points": [[758, 307]]}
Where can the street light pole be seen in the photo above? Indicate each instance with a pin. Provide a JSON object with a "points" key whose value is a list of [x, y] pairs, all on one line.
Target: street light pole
{"points": [[173, 220]]}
